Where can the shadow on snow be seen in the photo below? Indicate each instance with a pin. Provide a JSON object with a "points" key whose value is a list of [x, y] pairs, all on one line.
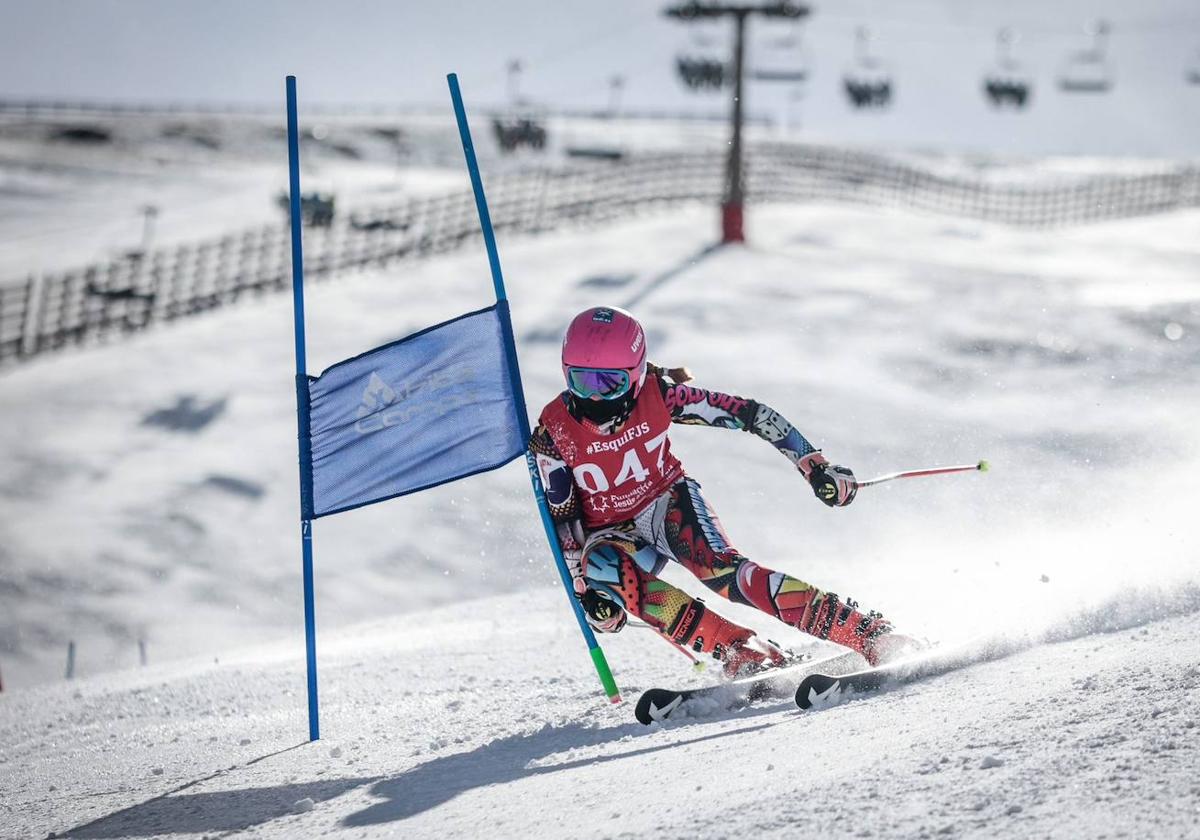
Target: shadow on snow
{"points": [[217, 811], [227, 810], [507, 760]]}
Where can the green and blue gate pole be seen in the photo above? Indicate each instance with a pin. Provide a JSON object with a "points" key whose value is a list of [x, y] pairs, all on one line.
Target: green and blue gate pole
{"points": [[539, 492], [302, 413]]}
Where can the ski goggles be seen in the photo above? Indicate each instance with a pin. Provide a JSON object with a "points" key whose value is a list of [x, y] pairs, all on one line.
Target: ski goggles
{"points": [[605, 383]]}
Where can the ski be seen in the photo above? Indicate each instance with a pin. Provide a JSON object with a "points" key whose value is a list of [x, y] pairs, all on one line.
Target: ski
{"points": [[820, 690], [658, 704]]}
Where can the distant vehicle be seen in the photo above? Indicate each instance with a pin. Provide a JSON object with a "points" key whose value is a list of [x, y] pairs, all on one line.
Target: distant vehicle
{"points": [[603, 153], [514, 132], [522, 126], [316, 209]]}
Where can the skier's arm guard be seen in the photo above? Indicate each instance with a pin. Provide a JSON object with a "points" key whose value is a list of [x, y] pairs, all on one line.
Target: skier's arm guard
{"points": [[556, 476], [701, 407], [833, 485], [563, 499], [774, 428]]}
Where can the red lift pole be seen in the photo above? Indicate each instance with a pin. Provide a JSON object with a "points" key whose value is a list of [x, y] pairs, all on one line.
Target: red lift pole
{"points": [[734, 197]]}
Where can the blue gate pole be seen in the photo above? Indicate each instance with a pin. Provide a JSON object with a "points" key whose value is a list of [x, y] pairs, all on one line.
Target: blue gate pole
{"points": [[302, 412], [510, 347]]}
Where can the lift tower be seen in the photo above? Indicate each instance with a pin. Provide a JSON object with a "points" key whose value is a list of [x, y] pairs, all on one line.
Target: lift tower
{"points": [[732, 229]]}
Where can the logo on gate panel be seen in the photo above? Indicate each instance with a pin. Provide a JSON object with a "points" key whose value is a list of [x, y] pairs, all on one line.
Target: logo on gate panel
{"points": [[378, 394], [429, 397]]}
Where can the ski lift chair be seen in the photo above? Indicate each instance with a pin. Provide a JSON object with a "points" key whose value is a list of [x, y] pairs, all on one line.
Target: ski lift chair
{"points": [[1002, 91], [868, 93], [701, 74], [868, 86], [784, 59], [1007, 83], [524, 128], [1089, 70], [697, 63], [868, 81], [1086, 72]]}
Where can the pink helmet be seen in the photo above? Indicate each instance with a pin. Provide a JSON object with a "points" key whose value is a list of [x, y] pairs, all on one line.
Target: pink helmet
{"points": [[599, 342]]}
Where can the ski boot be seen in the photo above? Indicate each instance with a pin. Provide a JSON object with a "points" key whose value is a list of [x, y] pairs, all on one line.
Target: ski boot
{"points": [[869, 633], [738, 650], [744, 659]]}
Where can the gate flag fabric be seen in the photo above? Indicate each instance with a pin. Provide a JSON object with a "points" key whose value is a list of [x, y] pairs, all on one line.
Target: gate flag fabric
{"points": [[430, 408]]}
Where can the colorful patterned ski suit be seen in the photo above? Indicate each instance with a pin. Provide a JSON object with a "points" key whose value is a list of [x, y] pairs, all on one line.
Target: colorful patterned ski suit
{"points": [[619, 554]]}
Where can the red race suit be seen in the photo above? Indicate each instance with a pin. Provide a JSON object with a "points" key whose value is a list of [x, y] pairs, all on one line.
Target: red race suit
{"points": [[620, 474]]}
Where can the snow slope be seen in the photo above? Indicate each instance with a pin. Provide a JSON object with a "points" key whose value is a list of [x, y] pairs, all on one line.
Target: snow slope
{"points": [[150, 490], [442, 724]]}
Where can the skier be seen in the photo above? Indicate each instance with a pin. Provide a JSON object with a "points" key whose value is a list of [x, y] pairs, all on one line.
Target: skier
{"points": [[623, 505]]}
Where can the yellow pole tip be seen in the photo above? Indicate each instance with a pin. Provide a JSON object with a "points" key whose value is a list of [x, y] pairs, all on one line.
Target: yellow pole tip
{"points": [[984, 466]]}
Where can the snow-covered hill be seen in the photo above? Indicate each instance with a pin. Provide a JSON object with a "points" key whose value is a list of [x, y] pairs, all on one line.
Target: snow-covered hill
{"points": [[150, 492], [151, 484], [488, 722]]}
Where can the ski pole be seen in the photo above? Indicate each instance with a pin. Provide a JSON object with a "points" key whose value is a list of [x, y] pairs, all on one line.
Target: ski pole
{"points": [[982, 466], [696, 663]]}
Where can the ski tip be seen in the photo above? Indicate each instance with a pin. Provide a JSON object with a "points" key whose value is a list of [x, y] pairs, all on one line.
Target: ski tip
{"points": [[984, 466], [656, 705], [642, 710], [817, 690]]}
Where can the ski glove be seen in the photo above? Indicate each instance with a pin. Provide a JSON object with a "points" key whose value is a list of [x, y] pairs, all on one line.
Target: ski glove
{"points": [[833, 485], [602, 613]]}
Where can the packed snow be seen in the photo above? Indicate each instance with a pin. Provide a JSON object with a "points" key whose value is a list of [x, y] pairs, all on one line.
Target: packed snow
{"points": [[466, 721], [151, 495]]}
